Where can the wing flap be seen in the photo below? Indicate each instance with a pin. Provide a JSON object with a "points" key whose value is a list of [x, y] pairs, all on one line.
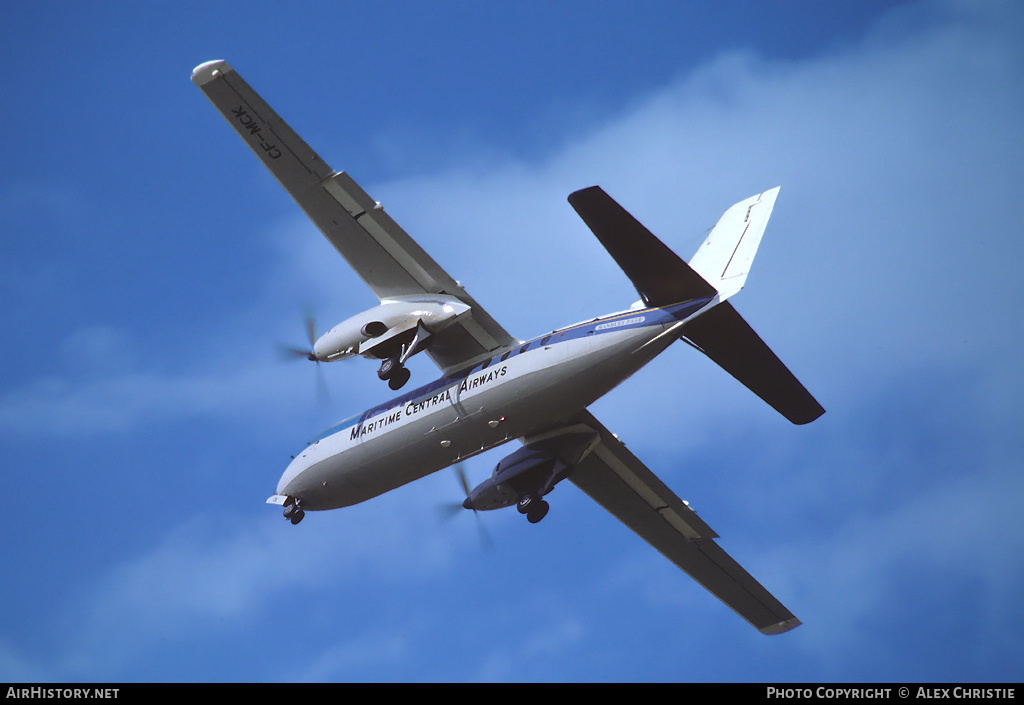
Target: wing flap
{"points": [[414, 267], [616, 479]]}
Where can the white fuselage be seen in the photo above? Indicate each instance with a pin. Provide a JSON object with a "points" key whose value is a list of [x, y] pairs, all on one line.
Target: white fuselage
{"points": [[508, 396]]}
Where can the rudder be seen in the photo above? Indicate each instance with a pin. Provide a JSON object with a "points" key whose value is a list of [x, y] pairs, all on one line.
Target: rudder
{"points": [[725, 257]]}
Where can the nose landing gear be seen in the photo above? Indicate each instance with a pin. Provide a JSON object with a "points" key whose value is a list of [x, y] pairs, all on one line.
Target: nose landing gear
{"points": [[292, 511]]}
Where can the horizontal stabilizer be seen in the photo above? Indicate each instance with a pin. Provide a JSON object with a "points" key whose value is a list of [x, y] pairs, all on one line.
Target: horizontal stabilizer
{"points": [[724, 259], [723, 335], [657, 272]]}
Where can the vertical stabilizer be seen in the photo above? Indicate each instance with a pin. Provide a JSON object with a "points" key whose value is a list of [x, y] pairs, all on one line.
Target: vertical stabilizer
{"points": [[724, 258]]}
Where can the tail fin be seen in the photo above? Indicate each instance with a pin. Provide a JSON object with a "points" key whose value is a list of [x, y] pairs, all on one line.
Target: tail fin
{"points": [[720, 266], [724, 258]]}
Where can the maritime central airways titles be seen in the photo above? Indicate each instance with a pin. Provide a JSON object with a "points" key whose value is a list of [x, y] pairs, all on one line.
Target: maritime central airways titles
{"points": [[413, 408]]}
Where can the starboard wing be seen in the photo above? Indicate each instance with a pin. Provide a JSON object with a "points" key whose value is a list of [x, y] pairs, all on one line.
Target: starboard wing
{"points": [[381, 253], [617, 480]]}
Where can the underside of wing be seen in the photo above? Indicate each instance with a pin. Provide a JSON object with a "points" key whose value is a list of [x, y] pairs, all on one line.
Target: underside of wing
{"points": [[383, 255], [616, 479]]}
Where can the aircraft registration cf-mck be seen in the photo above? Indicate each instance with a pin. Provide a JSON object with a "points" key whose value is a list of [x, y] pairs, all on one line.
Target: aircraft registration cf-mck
{"points": [[495, 388]]}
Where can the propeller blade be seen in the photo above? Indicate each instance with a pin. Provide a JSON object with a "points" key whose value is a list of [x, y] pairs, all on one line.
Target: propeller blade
{"points": [[323, 392], [460, 472], [289, 352], [311, 330], [447, 510], [485, 537], [453, 508]]}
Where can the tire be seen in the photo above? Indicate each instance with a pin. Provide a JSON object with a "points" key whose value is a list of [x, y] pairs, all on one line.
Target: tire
{"points": [[538, 511], [387, 368], [399, 377]]}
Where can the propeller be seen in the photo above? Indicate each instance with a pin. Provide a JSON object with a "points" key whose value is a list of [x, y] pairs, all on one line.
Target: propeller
{"points": [[450, 509], [293, 353]]}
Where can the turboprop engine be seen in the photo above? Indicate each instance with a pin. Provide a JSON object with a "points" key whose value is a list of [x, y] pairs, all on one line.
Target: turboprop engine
{"points": [[392, 332], [521, 479], [525, 476]]}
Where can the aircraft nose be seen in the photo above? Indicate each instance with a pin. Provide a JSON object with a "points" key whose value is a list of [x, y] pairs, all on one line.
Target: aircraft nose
{"points": [[468, 504], [290, 473]]}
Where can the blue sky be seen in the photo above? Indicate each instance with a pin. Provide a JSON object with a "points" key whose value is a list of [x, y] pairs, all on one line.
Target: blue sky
{"points": [[150, 267]]}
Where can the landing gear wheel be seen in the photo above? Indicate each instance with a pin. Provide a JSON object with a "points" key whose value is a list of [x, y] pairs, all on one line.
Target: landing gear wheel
{"points": [[292, 511], [388, 367], [538, 510], [523, 505], [399, 377]]}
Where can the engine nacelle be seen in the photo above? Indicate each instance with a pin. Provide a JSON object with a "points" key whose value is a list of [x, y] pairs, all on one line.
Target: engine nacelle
{"points": [[534, 470], [375, 330], [528, 471]]}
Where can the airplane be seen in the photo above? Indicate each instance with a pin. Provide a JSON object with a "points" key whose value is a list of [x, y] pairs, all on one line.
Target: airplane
{"points": [[495, 388]]}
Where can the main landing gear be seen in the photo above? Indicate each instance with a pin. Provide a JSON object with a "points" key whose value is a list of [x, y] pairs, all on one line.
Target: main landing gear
{"points": [[533, 507], [392, 367], [292, 511], [394, 372]]}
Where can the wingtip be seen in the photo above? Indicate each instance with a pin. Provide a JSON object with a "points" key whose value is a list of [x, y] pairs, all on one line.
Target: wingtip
{"points": [[781, 627], [583, 191], [209, 70]]}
